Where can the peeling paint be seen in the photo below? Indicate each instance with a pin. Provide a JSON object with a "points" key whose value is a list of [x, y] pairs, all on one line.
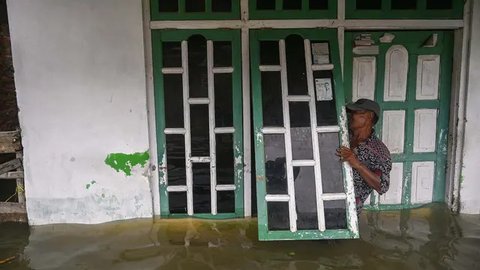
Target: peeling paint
{"points": [[349, 188], [444, 145], [125, 162], [238, 154], [238, 163], [238, 160], [406, 189], [258, 136], [161, 169]]}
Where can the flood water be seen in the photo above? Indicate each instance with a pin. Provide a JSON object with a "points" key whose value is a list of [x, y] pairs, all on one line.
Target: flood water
{"points": [[426, 238]]}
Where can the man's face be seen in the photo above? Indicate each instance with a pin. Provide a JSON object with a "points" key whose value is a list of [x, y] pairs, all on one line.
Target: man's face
{"points": [[360, 119]]}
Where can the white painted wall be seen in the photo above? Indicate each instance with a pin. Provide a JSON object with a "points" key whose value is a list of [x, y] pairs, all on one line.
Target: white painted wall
{"points": [[470, 179], [80, 78]]}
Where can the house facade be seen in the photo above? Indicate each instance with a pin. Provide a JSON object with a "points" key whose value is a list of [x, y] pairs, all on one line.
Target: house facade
{"points": [[227, 109]]}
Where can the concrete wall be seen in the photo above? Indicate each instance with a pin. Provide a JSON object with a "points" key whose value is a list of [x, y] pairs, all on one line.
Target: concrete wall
{"points": [[470, 180], [80, 78]]}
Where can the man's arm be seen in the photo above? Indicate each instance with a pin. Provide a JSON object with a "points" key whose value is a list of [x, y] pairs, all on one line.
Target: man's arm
{"points": [[373, 179]]}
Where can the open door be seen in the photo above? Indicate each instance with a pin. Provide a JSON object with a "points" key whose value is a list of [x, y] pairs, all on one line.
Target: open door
{"points": [[303, 190], [409, 74]]}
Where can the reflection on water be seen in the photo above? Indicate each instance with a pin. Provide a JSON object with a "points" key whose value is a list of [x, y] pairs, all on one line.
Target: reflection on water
{"points": [[427, 238]]}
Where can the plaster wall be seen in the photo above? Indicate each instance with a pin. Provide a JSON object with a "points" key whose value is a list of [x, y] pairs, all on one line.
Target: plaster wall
{"points": [[80, 79], [470, 179]]}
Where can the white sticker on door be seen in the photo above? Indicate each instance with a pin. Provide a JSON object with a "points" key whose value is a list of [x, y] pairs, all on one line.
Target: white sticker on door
{"points": [[323, 89], [320, 53]]}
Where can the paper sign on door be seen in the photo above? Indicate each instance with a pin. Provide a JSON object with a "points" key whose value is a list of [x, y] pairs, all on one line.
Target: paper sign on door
{"points": [[321, 54], [323, 88]]}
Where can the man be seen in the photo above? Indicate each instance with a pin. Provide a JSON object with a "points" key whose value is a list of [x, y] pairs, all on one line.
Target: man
{"points": [[367, 155]]}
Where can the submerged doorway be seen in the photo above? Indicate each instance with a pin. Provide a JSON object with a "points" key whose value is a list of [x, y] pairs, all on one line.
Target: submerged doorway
{"points": [[291, 61], [297, 74]]}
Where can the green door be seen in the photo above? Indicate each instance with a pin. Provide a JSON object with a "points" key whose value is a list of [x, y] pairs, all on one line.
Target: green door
{"points": [[197, 76], [409, 75], [303, 190]]}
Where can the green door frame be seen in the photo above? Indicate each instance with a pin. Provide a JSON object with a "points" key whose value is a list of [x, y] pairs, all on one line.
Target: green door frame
{"points": [[329, 35], [159, 36], [182, 14], [387, 12], [304, 13]]}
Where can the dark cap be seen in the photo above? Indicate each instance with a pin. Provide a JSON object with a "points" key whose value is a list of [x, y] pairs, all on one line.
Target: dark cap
{"points": [[364, 104]]}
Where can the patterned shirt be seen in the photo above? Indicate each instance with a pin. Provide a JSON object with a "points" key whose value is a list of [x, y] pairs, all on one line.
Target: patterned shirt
{"points": [[375, 155]]}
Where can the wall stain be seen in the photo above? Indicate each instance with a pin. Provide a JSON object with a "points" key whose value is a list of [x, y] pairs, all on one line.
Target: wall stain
{"points": [[125, 162], [90, 184]]}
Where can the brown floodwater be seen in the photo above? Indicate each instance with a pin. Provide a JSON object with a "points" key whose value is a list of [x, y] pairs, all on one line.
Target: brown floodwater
{"points": [[426, 238]]}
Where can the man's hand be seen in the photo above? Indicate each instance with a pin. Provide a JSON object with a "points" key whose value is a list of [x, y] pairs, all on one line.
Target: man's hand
{"points": [[346, 154], [372, 179]]}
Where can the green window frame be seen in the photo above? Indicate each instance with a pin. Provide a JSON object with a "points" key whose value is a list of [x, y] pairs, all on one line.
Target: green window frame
{"points": [[182, 14], [412, 41], [303, 13], [421, 12], [160, 36]]}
